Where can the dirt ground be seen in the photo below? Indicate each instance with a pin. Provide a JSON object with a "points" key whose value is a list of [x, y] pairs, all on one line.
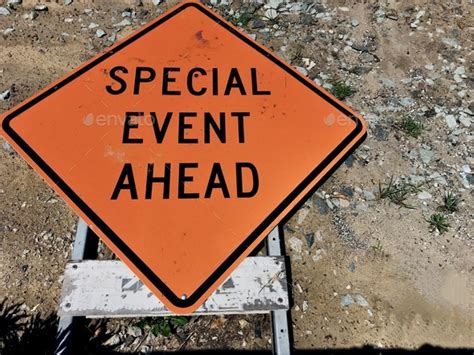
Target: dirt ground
{"points": [[366, 268]]}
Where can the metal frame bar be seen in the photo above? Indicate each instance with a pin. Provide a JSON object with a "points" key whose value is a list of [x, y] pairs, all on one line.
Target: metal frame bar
{"points": [[67, 323], [279, 319]]}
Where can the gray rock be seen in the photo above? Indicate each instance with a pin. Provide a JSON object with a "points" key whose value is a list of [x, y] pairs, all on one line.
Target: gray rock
{"points": [[7, 147], [424, 195], [407, 101], [361, 70], [100, 33], [380, 133], [354, 23], [369, 195], [387, 82], [379, 15], [295, 244], [349, 161], [307, 20], [5, 95], [465, 121], [450, 42], [112, 38], [438, 178], [14, 2], [257, 23], [123, 23], [346, 300], [271, 14], [309, 239], [4, 11], [392, 15], [41, 7], [157, 2], [68, 2], [359, 47], [274, 3], [30, 15], [470, 179], [348, 191], [361, 301], [134, 331], [323, 207], [367, 57], [302, 70], [451, 121], [426, 155], [113, 340], [460, 70]]}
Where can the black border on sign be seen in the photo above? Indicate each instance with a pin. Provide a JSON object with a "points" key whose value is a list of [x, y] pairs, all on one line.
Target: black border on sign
{"points": [[114, 238]]}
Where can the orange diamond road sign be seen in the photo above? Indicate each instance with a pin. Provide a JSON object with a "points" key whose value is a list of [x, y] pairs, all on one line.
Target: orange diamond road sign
{"points": [[182, 146]]}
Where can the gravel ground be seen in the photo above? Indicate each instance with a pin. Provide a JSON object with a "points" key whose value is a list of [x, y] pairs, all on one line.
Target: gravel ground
{"points": [[382, 254]]}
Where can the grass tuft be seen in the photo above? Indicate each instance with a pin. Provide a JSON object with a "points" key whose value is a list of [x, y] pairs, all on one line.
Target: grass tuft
{"points": [[411, 127], [377, 249], [341, 90], [162, 326], [397, 193], [438, 222], [450, 203]]}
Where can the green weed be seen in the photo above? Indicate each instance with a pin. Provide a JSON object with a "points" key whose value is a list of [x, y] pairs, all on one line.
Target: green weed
{"points": [[397, 193], [438, 222], [411, 127], [162, 326], [341, 90], [450, 203]]}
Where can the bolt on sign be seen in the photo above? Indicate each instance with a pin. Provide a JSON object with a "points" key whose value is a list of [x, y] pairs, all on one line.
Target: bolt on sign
{"points": [[182, 146]]}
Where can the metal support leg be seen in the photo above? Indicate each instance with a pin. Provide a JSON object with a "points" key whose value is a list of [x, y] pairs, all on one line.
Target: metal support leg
{"points": [[66, 324], [280, 319]]}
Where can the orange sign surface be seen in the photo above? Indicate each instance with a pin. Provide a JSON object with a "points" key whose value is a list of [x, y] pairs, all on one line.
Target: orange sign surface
{"points": [[182, 146]]}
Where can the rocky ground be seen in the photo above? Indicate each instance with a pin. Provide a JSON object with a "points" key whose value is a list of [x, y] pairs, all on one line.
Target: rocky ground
{"points": [[382, 254]]}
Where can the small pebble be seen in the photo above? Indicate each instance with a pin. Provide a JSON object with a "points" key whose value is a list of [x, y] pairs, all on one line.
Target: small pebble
{"points": [[100, 33], [4, 11]]}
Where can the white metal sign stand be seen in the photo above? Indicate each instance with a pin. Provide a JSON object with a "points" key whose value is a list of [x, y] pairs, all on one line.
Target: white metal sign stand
{"points": [[107, 288]]}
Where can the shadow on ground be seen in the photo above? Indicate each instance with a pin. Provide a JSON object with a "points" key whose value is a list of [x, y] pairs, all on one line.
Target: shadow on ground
{"points": [[21, 334]]}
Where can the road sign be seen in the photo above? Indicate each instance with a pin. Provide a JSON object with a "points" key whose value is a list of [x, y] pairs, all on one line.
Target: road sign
{"points": [[182, 146]]}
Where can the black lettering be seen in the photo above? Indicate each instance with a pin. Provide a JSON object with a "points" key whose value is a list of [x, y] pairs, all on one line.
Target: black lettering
{"points": [[183, 178], [239, 180], [121, 81], [165, 180], [215, 82], [234, 81], [219, 129], [216, 181], [126, 175], [182, 126], [194, 73], [128, 125], [255, 90], [160, 132], [167, 79], [240, 118], [139, 78]]}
